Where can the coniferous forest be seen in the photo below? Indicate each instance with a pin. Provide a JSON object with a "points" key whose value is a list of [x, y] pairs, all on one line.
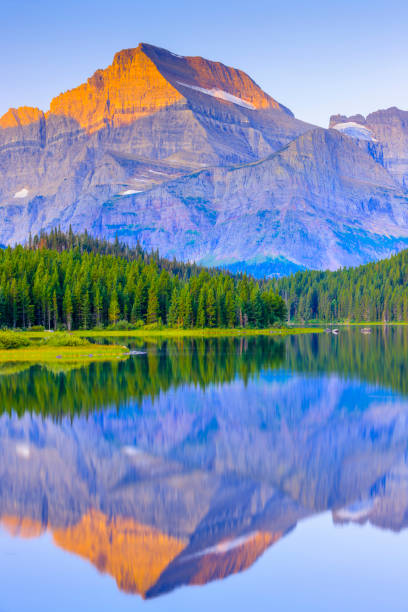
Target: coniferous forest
{"points": [[74, 281], [62, 280], [371, 292]]}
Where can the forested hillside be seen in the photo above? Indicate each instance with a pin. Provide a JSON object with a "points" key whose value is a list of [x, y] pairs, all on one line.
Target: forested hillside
{"points": [[372, 292], [63, 280]]}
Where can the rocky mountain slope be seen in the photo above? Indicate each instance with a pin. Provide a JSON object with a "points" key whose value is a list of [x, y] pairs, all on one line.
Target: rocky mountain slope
{"points": [[388, 128], [192, 157]]}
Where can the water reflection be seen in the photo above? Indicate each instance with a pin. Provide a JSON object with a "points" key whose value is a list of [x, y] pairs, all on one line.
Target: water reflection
{"points": [[184, 464]]}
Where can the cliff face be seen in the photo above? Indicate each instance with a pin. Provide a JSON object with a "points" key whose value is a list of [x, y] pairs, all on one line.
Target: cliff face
{"points": [[132, 87], [390, 128], [147, 79], [121, 155], [323, 201]]}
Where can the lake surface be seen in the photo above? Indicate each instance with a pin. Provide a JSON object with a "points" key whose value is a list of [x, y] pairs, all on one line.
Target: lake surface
{"points": [[224, 474]]}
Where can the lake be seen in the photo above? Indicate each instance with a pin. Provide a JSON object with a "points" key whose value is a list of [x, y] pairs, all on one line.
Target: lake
{"points": [[224, 474]]}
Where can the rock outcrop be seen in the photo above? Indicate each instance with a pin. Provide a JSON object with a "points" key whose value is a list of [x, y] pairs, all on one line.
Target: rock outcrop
{"points": [[390, 128]]}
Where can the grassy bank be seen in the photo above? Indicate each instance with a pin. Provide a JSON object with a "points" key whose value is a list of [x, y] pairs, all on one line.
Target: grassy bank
{"points": [[54, 348], [69, 354]]}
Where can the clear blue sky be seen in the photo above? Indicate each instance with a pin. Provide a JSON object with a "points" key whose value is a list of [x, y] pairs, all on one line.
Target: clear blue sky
{"points": [[318, 57]]}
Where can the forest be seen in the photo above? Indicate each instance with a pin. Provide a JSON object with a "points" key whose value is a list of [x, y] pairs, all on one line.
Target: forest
{"points": [[371, 292], [65, 281]]}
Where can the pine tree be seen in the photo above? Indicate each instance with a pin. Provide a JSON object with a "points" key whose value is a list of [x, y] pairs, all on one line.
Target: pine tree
{"points": [[152, 305], [67, 308], [173, 313], [230, 309], [210, 308], [114, 311], [85, 309], [201, 310], [55, 309]]}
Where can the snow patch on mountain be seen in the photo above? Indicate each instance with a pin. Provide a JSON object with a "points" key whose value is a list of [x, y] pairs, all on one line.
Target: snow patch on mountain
{"points": [[23, 193], [129, 192], [224, 547], [355, 512], [220, 94], [354, 130]]}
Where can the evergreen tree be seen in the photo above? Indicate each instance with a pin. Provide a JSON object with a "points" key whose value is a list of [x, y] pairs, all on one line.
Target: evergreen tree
{"points": [[67, 308], [152, 306], [210, 308], [201, 310], [114, 311]]}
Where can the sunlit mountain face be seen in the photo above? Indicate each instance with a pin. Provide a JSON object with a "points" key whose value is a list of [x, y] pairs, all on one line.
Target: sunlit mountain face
{"points": [[184, 464], [191, 157]]}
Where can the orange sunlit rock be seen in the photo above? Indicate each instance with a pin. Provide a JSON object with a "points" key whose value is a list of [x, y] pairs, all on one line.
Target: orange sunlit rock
{"points": [[22, 527], [134, 554], [130, 88], [140, 82], [19, 117], [219, 564]]}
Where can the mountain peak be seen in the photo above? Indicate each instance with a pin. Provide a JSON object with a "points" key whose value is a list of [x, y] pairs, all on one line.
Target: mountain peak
{"points": [[142, 80], [19, 117]]}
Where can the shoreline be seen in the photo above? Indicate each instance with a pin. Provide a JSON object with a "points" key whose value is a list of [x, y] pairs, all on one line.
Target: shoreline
{"points": [[63, 354], [184, 333]]}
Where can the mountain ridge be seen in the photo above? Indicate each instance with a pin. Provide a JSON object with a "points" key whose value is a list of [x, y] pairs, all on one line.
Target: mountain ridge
{"points": [[119, 155]]}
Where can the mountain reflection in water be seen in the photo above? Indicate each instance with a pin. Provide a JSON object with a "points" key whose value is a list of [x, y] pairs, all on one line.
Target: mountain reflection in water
{"points": [[184, 464]]}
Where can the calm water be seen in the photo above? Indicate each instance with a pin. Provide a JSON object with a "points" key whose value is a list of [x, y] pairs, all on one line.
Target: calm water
{"points": [[250, 474]]}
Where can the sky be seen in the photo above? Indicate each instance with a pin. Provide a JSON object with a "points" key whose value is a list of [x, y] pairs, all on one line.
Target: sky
{"points": [[317, 57]]}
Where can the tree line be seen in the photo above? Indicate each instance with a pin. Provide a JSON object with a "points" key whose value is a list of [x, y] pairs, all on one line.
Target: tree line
{"points": [[60, 280], [371, 292]]}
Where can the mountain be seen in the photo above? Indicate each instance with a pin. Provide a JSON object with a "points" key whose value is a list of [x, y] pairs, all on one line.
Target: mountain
{"points": [[388, 128], [192, 157], [321, 201]]}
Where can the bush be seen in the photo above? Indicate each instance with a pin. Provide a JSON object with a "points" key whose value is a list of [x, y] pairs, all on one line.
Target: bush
{"points": [[150, 326], [35, 328], [64, 339], [122, 325], [13, 340]]}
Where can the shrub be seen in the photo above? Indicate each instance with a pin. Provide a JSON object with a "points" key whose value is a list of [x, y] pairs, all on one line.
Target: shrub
{"points": [[64, 339], [122, 325], [37, 328], [150, 326], [13, 340]]}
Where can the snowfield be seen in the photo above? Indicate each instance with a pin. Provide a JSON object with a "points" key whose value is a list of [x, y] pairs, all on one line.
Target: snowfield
{"points": [[23, 193], [220, 94], [354, 130]]}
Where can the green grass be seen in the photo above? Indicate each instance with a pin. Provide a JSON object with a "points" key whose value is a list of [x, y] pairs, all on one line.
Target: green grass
{"points": [[53, 348], [193, 333], [69, 354]]}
